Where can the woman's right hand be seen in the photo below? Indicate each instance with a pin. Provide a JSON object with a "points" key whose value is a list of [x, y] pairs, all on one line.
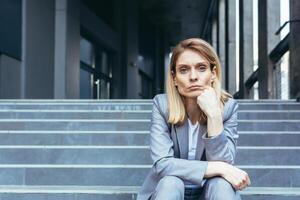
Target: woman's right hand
{"points": [[238, 178]]}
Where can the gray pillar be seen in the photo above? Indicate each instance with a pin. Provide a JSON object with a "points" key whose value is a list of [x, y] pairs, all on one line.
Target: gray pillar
{"points": [[192, 28], [158, 61], [67, 49], [262, 50], [268, 23], [273, 40], [221, 43], [294, 50], [38, 49], [118, 89], [248, 45], [166, 49], [231, 46], [214, 35], [133, 78], [10, 77]]}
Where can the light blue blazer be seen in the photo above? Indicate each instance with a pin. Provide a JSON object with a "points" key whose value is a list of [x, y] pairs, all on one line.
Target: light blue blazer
{"points": [[169, 147]]}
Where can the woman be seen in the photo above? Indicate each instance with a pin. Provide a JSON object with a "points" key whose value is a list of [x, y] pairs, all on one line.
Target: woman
{"points": [[194, 131]]}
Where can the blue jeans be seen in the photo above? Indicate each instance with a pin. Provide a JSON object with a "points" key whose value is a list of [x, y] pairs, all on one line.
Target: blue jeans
{"points": [[192, 192]]}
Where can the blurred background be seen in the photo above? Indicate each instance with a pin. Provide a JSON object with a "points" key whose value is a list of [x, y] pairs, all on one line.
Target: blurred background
{"points": [[108, 49], [77, 78]]}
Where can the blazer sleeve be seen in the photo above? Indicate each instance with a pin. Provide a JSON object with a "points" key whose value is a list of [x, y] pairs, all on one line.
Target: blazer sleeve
{"points": [[162, 152], [223, 146]]}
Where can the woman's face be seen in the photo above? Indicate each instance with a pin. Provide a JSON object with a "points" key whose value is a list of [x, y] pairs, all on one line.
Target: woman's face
{"points": [[192, 73]]}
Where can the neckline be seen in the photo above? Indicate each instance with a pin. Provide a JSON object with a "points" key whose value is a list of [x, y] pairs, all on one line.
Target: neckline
{"points": [[193, 125]]}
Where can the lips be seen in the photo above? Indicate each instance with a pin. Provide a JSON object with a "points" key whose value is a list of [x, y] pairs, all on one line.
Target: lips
{"points": [[194, 87]]}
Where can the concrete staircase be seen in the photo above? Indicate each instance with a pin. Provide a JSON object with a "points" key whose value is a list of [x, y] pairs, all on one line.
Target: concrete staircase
{"points": [[77, 149]]}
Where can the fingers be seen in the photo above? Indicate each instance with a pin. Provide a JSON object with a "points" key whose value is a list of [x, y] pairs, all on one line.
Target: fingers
{"points": [[248, 181], [240, 178], [203, 89], [244, 182], [233, 175]]}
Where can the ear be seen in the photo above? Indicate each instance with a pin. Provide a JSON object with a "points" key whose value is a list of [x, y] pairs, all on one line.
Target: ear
{"points": [[175, 81], [214, 74]]}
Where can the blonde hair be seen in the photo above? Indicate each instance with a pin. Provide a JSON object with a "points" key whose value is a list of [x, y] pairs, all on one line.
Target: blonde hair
{"points": [[177, 112]]}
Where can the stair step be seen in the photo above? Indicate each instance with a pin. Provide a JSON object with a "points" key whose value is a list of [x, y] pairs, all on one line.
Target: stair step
{"points": [[75, 114], [128, 100], [268, 125], [271, 193], [78, 106], [68, 193], [123, 193], [266, 100], [131, 114], [91, 101], [127, 175], [269, 106], [130, 138], [270, 139], [268, 114], [246, 155], [104, 124], [138, 138], [130, 124], [134, 106]]}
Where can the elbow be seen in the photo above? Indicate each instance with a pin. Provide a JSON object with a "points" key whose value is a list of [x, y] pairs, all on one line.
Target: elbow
{"points": [[231, 156], [162, 167], [225, 153], [229, 159]]}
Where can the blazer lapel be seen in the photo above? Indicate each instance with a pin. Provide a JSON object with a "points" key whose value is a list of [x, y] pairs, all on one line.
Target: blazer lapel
{"points": [[200, 143], [183, 139]]}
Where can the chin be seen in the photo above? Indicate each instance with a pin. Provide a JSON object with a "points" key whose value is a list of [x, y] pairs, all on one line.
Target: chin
{"points": [[193, 94]]}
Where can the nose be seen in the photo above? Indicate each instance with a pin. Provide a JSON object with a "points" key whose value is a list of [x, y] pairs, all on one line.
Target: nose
{"points": [[193, 75]]}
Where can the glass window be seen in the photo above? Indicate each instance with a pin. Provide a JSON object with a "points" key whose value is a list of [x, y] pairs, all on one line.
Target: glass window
{"points": [[95, 73]]}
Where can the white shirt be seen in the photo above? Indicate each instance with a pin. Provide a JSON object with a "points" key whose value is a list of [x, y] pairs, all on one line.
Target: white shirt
{"points": [[193, 138]]}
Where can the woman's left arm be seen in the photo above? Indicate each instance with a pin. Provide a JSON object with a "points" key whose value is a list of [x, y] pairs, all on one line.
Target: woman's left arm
{"points": [[220, 140]]}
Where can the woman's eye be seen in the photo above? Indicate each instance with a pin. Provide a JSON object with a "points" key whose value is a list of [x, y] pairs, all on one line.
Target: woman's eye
{"points": [[183, 70], [202, 68]]}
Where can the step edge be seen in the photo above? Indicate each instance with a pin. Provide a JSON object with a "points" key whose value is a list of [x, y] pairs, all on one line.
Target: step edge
{"points": [[130, 190], [131, 147], [130, 166]]}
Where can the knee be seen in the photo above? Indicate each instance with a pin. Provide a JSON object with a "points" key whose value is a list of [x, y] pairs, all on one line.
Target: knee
{"points": [[218, 188], [171, 183], [169, 187]]}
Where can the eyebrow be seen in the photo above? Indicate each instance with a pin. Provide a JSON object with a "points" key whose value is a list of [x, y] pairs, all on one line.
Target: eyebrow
{"points": [[201, 63]]}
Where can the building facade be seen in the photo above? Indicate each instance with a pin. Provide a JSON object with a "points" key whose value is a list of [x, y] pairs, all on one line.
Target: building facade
{"points": [[88, 49]]}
